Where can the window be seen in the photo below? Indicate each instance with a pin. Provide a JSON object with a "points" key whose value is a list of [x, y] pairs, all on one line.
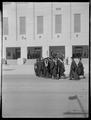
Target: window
{"points": [[22, 25], [5, 25], [80, 51], [57, 50], [34, 52], [58, 23], [13, 52], [39, 24], [77, 23]]}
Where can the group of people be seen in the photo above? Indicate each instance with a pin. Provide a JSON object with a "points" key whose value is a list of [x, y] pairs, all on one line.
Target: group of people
{"points": [[54, 68], [50, 67]]}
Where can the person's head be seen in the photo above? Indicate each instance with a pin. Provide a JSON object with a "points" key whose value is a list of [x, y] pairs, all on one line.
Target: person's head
{"points": [[72, 58], [80, 58]]}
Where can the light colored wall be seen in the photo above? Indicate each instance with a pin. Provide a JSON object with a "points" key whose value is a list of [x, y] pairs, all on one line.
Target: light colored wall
{"points": [[25, 9], [10, 12], [43, 9], [67, 37], [83, 36]]}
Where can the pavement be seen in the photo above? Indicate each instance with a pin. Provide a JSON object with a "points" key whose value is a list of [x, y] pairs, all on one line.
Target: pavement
{"points": [[28, 96], [29, 69]]}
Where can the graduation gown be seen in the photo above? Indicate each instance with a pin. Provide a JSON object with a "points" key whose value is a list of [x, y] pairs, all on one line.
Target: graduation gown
{"points": [[61, 68], [55, 69], [73, 70], [51, 67], [80, 68]]}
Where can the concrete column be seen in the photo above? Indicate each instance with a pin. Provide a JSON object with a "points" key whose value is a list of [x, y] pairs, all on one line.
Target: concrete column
{"points": [[45, 51], [4, 52], [23, 52], [68, 52]]}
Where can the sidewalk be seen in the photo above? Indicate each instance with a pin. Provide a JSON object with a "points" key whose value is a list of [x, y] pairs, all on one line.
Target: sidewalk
{"points": [[25, 95], [18, 69], [29, 69], [31, 96]]}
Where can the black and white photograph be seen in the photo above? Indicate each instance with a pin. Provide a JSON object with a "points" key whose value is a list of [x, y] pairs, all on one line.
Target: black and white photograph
{"points": [[45, 59]]}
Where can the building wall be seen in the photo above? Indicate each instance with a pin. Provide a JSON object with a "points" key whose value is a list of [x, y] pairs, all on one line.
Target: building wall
{"points": [[48, 10], [83, 36]]}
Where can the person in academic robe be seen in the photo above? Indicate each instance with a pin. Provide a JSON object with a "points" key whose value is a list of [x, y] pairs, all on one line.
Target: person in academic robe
{"points": [[36, 67], [61, 68], [73, 70], [39, 67], [80, 68], [51, 67], [46, 67], [55, 68]]}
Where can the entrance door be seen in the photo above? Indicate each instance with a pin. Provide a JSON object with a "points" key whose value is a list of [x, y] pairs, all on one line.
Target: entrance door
{"points": [[80, 51]]}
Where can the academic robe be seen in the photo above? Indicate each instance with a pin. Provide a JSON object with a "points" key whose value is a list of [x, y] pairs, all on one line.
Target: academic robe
{"points": [[61, 68], [55, 69], [80, 68], [73, 70]]}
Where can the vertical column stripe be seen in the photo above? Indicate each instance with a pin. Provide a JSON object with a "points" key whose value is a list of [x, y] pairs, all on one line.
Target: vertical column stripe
{"points": [[5, 25]]}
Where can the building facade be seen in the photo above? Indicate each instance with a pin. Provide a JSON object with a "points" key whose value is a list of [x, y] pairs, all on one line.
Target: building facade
{"points": [[36, 29]]}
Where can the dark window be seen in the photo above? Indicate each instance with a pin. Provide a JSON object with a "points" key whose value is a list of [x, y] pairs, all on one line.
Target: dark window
{"points": [[8, 54], [60, 50], [34, 52], [80, 51], [12, 53]]}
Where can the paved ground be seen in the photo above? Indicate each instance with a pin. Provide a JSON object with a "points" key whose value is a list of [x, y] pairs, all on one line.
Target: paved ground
{"points": [[25, 95]]}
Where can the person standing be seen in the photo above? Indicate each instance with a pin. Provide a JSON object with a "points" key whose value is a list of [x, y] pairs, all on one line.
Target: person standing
{"points": [[51, 67], [61, 68], [73, 70], [46, 67], [36, 68], [80, 68], [39, 67], [42, 67], [55, 68]]}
